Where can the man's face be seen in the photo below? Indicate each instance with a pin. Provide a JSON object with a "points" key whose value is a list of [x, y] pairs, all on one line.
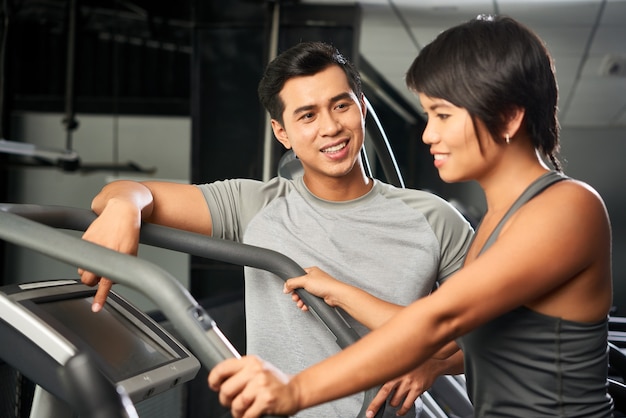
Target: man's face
{"points": [[323, 122]]}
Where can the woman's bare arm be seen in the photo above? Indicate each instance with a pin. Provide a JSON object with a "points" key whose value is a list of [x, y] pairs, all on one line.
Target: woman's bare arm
{"points": [[545, 258]]}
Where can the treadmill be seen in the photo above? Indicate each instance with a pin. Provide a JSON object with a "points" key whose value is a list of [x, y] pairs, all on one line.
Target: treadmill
{"points": [[42, 319]]}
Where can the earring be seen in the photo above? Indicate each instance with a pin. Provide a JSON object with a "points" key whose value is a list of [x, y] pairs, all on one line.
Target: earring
{"points": [[507, 138]]}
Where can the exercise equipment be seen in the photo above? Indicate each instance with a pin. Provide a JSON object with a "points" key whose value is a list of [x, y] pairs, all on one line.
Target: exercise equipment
{"points": [[30, 226], [24, 225], [50, 326]]}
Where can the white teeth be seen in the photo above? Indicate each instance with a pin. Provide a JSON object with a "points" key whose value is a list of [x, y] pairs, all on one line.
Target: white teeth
{"points": [[439, 156], [335, 148]]}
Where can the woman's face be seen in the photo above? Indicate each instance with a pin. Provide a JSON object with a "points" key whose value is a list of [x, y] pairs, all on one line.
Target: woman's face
{"points": [[453, 141]]}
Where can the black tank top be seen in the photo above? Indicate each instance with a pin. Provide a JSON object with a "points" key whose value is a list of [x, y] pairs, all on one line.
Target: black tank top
{"points": [[526, 364]]}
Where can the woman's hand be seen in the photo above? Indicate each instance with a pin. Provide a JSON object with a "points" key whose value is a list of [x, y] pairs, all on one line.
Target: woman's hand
{"points": [[407, 388], [251, 387], [404, 390], [318, 283]]}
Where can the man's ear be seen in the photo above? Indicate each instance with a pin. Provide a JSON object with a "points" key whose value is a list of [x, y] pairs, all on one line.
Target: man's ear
{"points": [[280, 133], [363, 106]]}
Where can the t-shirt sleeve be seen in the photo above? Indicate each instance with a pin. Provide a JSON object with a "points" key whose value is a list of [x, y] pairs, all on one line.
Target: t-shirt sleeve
{"points": [[455, 234], [233, 203]]}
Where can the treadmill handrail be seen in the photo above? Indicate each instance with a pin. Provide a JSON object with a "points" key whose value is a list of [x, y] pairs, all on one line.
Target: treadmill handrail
{"points": [[190, 319], [157, 284], [218, 249], [37, 222]]}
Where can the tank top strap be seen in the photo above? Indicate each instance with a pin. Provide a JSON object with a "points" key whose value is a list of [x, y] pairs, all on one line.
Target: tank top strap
{"points": [[536, 187]]}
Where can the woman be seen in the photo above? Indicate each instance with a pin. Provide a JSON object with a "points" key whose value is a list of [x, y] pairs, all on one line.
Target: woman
{"points": [[529, 308]]}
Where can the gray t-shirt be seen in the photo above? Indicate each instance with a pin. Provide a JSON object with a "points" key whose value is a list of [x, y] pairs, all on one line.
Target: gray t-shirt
{"points": [[393, 243]]}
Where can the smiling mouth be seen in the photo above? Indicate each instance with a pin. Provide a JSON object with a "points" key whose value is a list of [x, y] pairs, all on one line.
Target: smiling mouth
{"points": [[336, 148]]}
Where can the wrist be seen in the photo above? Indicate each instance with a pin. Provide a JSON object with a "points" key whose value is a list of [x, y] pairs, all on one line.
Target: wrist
{"points": [[124, 209], [297, 394]]}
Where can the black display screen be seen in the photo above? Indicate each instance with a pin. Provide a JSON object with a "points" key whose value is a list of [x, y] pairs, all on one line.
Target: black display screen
{"points": [[125, 349]]}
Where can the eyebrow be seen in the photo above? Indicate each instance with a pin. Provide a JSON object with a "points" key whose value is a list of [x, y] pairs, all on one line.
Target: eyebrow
{"points": [[435, 106], [335, 99]]}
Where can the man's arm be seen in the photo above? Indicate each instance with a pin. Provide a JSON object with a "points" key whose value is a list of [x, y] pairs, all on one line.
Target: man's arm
{"points": [[123, 205]]}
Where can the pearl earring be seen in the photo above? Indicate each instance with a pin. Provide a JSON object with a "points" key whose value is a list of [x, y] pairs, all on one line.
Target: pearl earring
{"points": [[507, 138]]}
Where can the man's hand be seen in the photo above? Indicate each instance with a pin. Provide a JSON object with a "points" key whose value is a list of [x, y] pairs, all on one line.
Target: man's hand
{"points": [[117, 228]]}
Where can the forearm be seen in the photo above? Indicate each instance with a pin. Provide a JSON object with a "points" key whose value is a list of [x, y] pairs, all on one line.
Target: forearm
{"points": [[364, 307], [394, 348], [133, 196]]}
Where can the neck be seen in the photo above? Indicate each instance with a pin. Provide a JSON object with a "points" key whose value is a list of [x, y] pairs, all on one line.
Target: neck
{"points": [[506, 182], [341, 188]]}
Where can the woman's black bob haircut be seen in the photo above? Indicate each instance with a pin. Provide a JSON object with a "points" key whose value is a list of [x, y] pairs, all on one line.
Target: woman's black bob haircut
{"points": [[489, 66]]}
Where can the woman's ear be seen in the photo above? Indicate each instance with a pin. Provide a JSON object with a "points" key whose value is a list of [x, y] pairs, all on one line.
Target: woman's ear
{"points": [[513, 120], [281, 134]]}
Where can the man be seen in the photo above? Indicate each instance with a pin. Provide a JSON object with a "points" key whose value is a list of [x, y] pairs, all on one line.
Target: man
{"points": [[392, 243]]}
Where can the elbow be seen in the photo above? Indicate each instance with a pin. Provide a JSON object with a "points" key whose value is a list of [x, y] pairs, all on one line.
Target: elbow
{"points": [[448, 327]]}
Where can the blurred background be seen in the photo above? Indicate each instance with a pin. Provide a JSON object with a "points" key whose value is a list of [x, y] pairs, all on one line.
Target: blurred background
{"points": [[96, 90]]}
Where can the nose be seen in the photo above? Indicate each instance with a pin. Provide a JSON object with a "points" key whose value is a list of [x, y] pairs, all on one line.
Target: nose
{"points": [[329, 124], [429, 136]]}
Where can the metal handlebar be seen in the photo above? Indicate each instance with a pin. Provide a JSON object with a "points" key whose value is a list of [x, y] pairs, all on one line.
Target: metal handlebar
{"points": [[33, 226]]}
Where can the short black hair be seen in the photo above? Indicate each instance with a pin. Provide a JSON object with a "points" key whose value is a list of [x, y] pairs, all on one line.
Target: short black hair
{"points": [[302, 59], [488, 66]]}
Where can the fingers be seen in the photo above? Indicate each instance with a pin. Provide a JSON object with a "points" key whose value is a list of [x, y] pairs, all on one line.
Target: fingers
{"points": [[250, 403], [408, 403], [407, 389], [237, 381], [229, 376], [104, 287], [299, 302], [263, 394], [407, 398], [251, 387], [380, 399], [88, 278], [101, 294], [300, 281], [293, 284]]}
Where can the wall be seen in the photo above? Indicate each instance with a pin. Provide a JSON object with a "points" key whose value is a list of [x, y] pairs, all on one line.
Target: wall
{"points": [[596, 157], [160, 142], [591, 155]]}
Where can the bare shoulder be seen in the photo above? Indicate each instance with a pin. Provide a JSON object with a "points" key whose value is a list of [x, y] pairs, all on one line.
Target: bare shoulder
{"points": [[572, 196], [569, 208]]}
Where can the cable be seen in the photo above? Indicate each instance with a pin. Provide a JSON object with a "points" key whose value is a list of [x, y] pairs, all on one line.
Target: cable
{"points": [[3, 47], [406, 26]]}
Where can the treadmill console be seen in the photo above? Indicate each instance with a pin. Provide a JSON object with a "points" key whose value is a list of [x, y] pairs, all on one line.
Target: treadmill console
{"points": [[44, 324]]}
